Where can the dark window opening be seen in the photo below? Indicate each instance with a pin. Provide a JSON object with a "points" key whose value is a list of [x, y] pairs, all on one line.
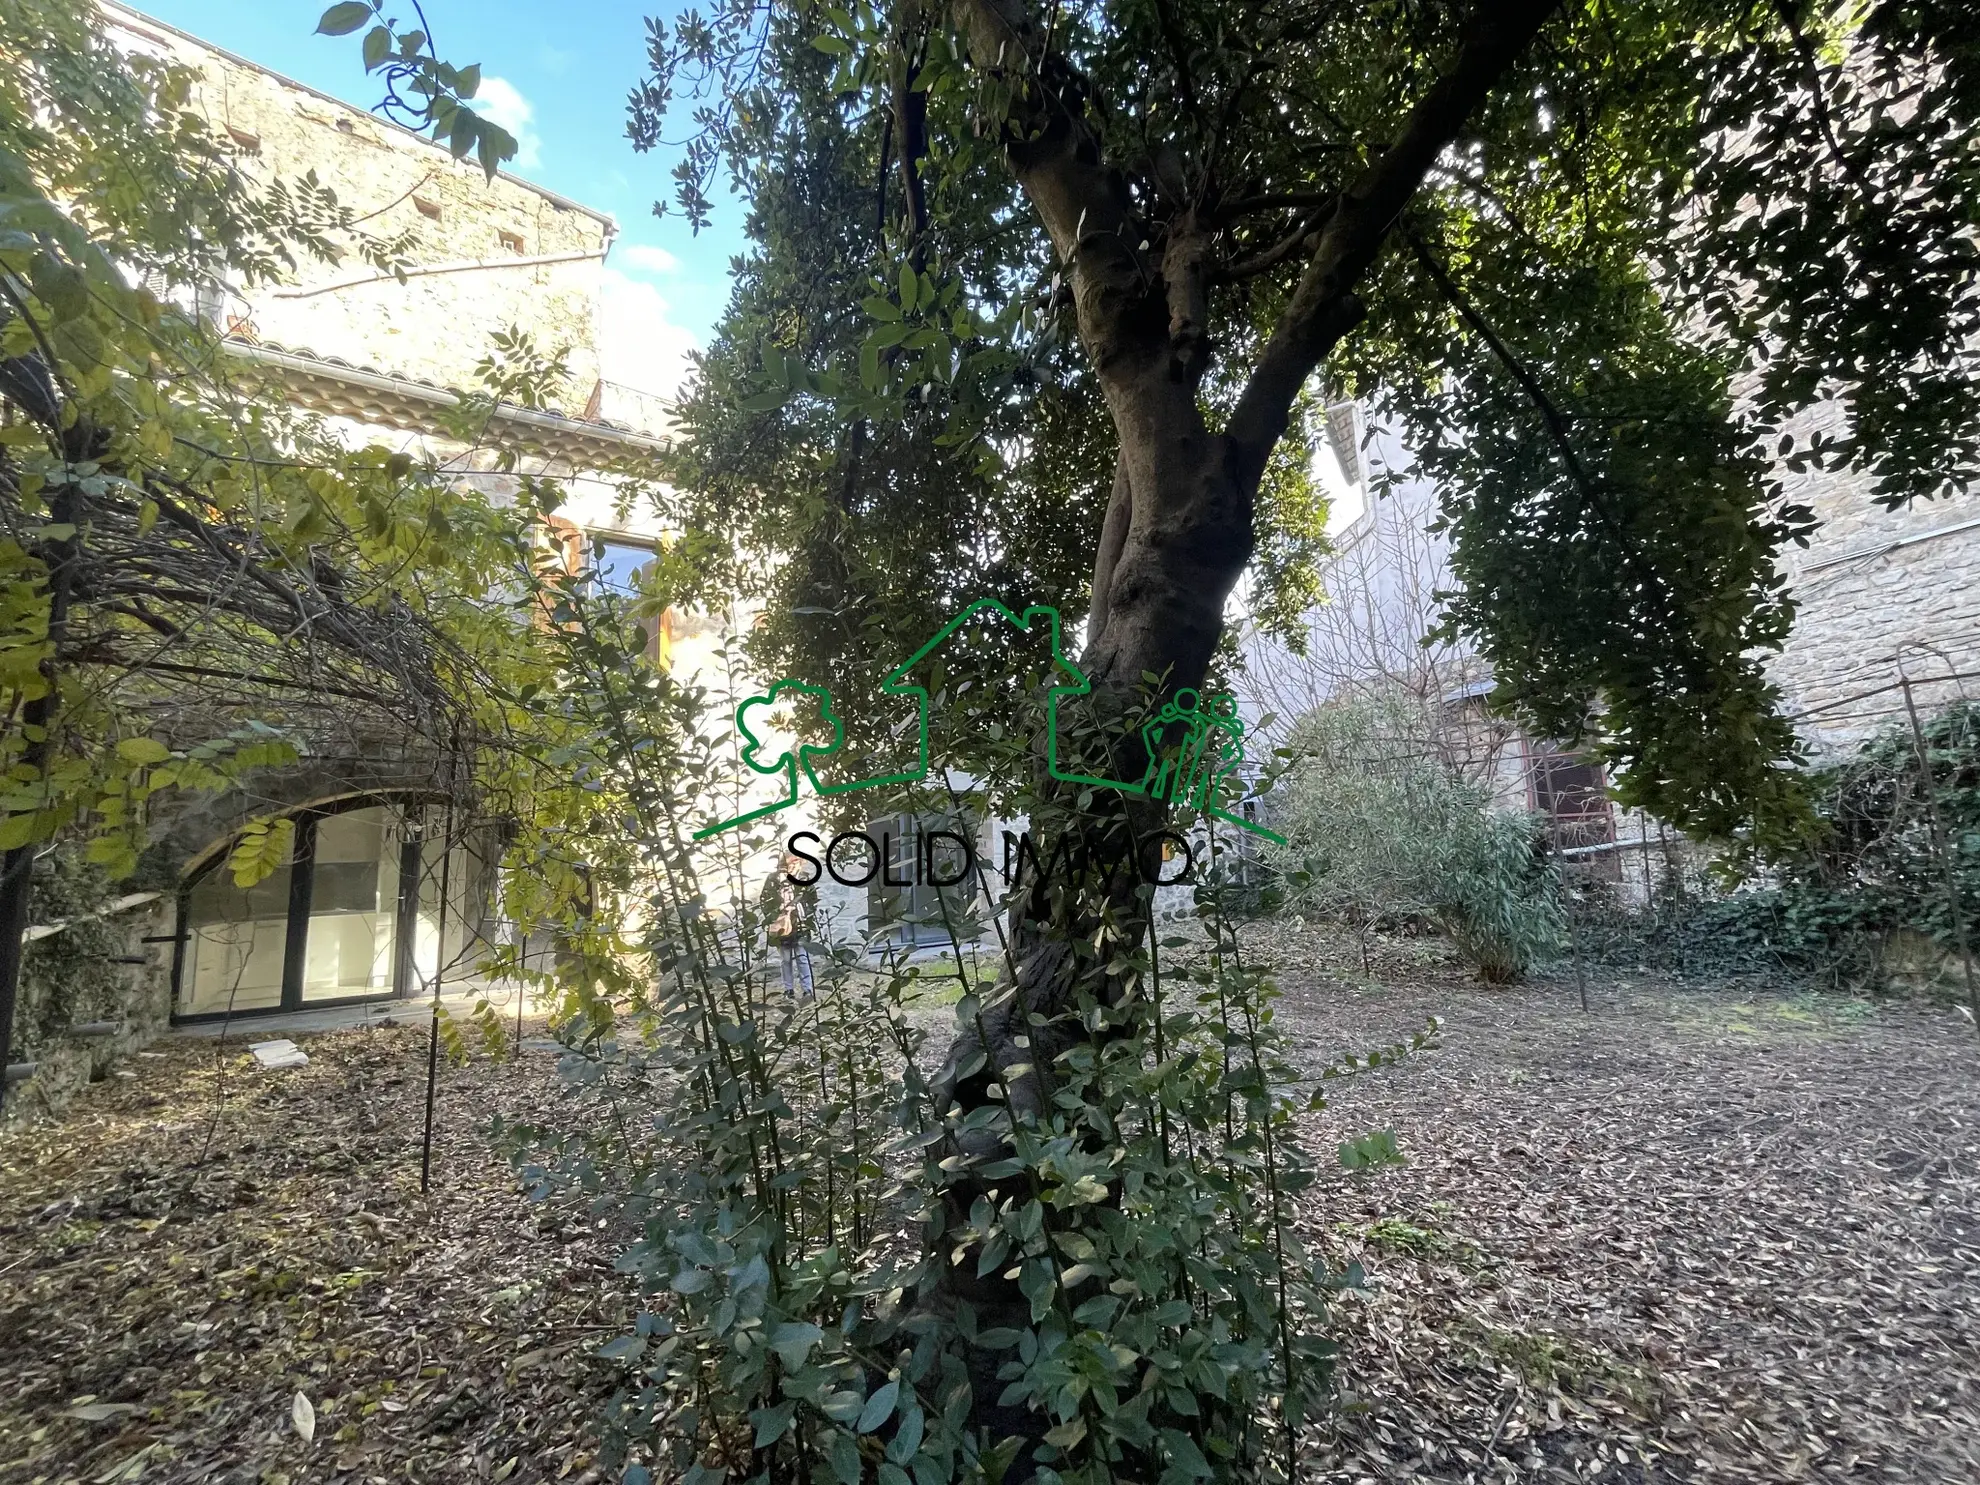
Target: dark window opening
{"points": [[1570, 793], [908, 898]]}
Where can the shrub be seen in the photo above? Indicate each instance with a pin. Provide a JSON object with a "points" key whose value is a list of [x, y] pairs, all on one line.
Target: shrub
{"points": [[1873, 875], [1378, 829], [850, 1270]]}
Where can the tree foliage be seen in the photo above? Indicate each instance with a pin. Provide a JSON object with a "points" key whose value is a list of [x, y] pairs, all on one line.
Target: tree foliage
{"points": [[1610, 270]]}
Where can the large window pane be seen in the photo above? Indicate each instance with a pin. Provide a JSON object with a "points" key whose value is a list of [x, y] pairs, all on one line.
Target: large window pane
{"points": [[235, 938], [354, 903]]}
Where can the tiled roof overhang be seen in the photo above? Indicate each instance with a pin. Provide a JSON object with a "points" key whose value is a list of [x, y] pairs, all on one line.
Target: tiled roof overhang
{"points": [[367, 396]]}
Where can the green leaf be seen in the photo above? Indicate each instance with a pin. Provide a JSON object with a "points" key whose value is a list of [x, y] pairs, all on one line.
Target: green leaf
{"points": [[772, 1423], [910, 288], [467, 82], [1184, 1455], [343, 18], [845, 1459], [832, 46], [793, 1341], [377, 46], [768, 401], [1066, 1434], [906, 1442], [142, 750], [880, 309], [623, 1348], [1375, 1149], [879, 1408], [261, 851], [496, 145]]}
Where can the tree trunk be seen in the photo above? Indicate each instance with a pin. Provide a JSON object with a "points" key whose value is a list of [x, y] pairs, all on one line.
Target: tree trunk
{"points": [[1158, 604], [1178, 531]]}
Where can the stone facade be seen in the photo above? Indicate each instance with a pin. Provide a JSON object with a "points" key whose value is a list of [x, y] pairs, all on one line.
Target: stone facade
{"points": [[93, 989], [484, 254], [383, 360], [1875, 587]]}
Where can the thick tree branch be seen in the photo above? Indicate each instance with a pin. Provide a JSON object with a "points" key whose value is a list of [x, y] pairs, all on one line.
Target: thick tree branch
{"points": [[1179, 58], [1228, 212], [1081, 201], [1186, 270], [1323, 306], [911, 125], [1113, 536], [1268, 258]]}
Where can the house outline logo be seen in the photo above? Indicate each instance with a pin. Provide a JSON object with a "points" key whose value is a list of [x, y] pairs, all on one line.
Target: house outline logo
{"points": [[1190, 775]]}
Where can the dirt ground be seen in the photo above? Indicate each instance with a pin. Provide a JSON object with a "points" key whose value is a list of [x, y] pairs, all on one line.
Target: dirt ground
{"points": [[1699, 1233], [200, 1241]]}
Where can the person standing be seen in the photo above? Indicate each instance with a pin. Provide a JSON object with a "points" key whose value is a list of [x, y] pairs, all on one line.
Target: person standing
{"points": [[788, 907]]}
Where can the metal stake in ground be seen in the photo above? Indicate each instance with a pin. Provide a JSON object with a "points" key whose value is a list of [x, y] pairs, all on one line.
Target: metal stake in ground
{"points": [[1942, 849], [439, 974], [1574, 937]]}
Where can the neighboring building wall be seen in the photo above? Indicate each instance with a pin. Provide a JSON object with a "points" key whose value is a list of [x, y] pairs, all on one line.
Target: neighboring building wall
{"points": [[1368, 637], [1874, 585], [486, 239], [381, 361]]}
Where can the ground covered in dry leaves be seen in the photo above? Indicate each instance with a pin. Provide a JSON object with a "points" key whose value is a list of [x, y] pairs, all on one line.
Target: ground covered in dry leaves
{"points": [[195, 1245], [1700, 1233]]}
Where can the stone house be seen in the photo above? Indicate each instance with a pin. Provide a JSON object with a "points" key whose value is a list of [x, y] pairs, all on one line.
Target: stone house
{"points": [[1882, 596], [356, 913]]}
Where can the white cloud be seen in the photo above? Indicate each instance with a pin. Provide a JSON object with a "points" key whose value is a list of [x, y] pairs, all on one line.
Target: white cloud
{"points": [[639, 346], [650, 259], [503, 102]]}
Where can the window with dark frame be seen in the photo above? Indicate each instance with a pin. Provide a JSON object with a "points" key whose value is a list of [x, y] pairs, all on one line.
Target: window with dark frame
{"points": [[352, 915], [1570, 792]]}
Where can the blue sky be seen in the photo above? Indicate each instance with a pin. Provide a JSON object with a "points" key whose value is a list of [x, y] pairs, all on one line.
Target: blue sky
{"points": [[557, 77]]}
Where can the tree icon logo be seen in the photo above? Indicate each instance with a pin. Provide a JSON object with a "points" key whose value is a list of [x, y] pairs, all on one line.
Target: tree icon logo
{"points": [[1195, 748], [754, 714]]}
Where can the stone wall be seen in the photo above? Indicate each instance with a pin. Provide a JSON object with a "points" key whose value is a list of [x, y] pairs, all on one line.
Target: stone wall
{"points": [[483, 238], [94, 987], [1874, 583]]}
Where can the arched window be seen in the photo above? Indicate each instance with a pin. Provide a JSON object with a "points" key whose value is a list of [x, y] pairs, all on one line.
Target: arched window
{"points": [[353, 914]]}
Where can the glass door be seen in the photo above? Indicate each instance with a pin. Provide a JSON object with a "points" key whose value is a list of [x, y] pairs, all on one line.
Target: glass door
{"points": [[235, 942], [353, 906]]}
